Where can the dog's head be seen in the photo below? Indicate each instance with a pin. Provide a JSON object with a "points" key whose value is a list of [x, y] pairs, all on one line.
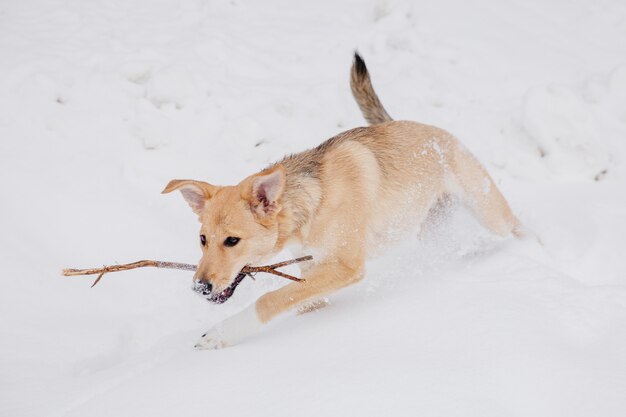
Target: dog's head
{"points": [[239, 227]]}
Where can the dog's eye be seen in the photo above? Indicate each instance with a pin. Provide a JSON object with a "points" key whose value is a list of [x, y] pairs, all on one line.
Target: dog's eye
{"points": [[231, 241], [203, 240]]}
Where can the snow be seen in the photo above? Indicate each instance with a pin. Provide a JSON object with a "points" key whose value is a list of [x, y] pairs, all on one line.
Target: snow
{"points": [[101, 103]]}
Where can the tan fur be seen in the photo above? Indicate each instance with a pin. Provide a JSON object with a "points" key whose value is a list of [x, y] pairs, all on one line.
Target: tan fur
{"points": [[340, 201]]}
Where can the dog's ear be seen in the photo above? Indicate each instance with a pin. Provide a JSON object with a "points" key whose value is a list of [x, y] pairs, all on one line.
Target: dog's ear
{"points": [[266, 189], [195, 193]]}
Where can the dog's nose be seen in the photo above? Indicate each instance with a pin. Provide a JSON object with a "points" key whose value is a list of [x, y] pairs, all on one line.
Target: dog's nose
{"points": [[203, 287]]}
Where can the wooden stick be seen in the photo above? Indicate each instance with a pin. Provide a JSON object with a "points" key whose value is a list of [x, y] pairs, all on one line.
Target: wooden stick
{"points": [[248, 270]]}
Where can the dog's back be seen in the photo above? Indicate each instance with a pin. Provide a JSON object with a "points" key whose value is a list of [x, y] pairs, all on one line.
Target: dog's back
{"points": [[392, 172]]}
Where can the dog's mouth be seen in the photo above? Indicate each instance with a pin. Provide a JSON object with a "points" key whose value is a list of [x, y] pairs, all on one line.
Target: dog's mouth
{"points": [[221, 297]]}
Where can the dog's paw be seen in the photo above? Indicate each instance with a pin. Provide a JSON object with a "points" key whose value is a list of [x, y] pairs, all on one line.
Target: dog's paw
{"points": [[231, 331], [212, 340], [312, 306]]}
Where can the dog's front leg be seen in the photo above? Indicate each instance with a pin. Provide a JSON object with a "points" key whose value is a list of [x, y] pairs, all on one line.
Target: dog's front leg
{"points": [[232, 330], [321, 280]]}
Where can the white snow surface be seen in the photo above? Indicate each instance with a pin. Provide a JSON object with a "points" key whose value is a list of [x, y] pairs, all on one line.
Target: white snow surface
{"points": [[103, 102]]}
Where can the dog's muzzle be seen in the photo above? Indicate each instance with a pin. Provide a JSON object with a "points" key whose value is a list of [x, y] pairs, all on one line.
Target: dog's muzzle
{"points": [[205, 289]]}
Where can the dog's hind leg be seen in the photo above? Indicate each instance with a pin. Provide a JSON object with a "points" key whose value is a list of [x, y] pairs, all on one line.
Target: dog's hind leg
{"points": [[479, 193]]}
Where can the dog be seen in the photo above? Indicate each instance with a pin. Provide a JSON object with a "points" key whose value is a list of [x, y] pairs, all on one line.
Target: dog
{"points": [[339, 202]]}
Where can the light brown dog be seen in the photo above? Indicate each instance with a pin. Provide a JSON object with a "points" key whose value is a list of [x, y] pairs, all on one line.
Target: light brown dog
{"points": [[339, 202]]}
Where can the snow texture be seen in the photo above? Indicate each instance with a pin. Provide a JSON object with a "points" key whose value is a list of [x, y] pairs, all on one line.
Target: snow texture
{"points": [[103, 102]]}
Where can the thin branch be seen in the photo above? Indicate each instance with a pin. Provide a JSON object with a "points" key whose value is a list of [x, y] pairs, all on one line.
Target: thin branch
{"points": [[270, 269]]}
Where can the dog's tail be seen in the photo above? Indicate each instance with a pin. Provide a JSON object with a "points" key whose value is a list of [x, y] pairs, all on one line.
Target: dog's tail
{"points": [[364, 93]]}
